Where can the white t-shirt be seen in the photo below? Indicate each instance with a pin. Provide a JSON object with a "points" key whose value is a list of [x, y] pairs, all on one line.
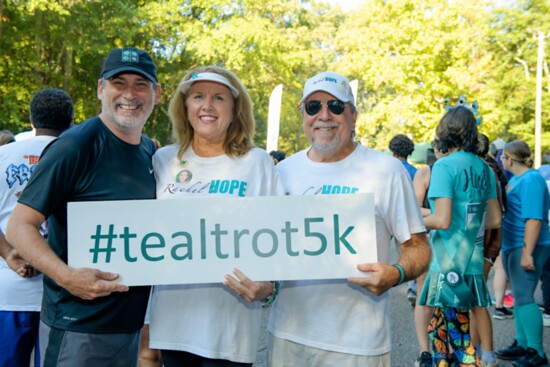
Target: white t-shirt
{"points": [[25, 135], [17, 161], [208, 319], [335, 315]]}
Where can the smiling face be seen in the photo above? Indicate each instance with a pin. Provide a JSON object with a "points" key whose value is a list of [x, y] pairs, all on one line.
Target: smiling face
{"points": [[127, 100], [210, 108], [329, 133]]}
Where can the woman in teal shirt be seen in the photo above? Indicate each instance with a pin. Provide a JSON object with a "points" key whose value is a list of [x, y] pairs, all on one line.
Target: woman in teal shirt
{"points": [[525, 249]]}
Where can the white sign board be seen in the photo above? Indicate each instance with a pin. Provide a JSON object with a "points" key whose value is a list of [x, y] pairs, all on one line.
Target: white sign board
{"points": [[199, 240]]}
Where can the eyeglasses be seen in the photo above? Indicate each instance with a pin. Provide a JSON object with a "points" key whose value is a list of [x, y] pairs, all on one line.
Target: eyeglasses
{"points": [[335, 106], [504, 156]]}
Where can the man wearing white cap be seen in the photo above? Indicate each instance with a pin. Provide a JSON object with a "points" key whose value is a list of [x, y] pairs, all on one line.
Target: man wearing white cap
{"points": [[346, 322]]}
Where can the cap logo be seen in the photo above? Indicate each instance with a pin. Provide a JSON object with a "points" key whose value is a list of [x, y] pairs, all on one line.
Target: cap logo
{"points": [[194, 76], [326, 79], [130, 56]]}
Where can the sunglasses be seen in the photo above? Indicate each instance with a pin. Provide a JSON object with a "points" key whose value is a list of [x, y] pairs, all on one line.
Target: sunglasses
{"points": [[335, 106]]}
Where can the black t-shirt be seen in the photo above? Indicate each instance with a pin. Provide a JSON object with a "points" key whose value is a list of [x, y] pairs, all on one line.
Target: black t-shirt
{"points": [[89, 163]]}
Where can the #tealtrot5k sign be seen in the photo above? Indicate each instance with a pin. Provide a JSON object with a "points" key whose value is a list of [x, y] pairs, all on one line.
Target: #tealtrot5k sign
{"points": [[199, 240]]}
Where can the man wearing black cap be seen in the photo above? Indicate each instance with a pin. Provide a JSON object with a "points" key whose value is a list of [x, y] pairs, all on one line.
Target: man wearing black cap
{"points": [[87, 319]]}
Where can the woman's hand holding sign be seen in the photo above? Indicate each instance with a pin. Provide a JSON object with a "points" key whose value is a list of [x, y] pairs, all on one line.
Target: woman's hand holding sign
{"points": [[247, 289]]}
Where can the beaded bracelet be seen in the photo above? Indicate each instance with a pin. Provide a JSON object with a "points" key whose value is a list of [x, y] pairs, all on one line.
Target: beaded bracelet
{"points": [[268, 301], [401, 272]]}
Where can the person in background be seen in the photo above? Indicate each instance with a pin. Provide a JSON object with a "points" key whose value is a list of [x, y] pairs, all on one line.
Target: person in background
{"points": [[97, 319], [277, 156], [51, 112], [495, 152], [462, 189], [345, 322], [6, 137], [525, 250], [481, 328], [25, 134], [213, 125], [544, 171], [503, 298], [402, 147], [423, 314]]}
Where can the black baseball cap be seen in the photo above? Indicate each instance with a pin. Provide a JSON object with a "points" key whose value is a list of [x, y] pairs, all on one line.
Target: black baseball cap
{"points": [[131, 60]]}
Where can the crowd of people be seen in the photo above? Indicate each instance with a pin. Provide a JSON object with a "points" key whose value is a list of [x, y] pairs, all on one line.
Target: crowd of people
{"points": [[84, 317]]}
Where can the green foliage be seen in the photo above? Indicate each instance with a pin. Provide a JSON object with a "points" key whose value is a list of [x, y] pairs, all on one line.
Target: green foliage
{"points": [[407, 56]]}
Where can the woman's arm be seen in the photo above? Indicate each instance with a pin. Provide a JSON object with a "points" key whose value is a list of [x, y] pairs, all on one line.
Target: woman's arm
{"points": [[532, 230], [442, 216], [494, 216], [421, 183]]}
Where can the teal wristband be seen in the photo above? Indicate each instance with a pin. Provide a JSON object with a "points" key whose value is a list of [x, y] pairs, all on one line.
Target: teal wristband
{"points": [[401, 272], [268, 301]]}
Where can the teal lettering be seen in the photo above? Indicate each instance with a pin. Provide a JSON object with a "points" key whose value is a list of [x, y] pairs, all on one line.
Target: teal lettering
{"points": [[218, 233], [234, 185], [346, 190], [326, 189], [320, 236], [214, 185], [242, 188], [187, 245], [145, 246], [126, 237], [237, 236], [255, 246], [227, 186], [203, 238], [336, 189], [338, 238], [224, 187], [288, 230]]}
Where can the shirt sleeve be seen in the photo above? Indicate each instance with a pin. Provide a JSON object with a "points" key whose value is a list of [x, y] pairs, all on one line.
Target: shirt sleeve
{"points": [[53, 180], [532, 188], [441, 181], [403, 213]]}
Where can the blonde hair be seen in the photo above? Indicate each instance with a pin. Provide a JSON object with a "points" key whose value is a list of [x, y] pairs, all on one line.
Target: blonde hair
{"points": [[519, 151], [240, 133]]}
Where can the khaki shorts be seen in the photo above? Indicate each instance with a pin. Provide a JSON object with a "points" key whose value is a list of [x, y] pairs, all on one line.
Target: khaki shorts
{"points": [[284, 353]]}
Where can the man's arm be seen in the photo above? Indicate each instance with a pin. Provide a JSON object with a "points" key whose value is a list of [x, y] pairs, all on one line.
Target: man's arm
{"points": [[14, 261], [415, 258], [23, 235]]}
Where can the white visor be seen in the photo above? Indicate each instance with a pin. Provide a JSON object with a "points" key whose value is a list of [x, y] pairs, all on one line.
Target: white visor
{"points": [[207, 77]]}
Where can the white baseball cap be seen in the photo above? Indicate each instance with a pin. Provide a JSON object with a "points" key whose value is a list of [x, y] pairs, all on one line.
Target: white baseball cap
{"points": [[332, 83], [207, 77], [497, 145]]}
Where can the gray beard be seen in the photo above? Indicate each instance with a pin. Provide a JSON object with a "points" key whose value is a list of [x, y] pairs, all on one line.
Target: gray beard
{"points": [[326, 148]]}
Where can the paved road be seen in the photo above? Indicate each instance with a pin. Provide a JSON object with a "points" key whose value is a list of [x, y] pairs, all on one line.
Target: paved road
{"points": [[405, 345]]}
